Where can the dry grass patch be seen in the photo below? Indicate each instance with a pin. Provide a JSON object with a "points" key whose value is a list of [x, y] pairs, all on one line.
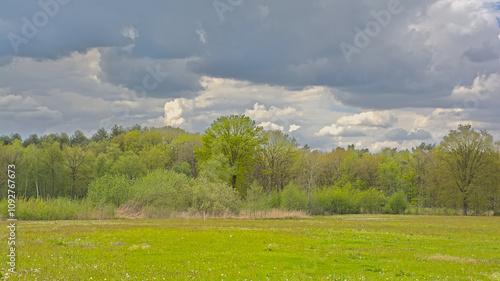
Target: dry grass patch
{"points": [[133, 212], [130, 212], [446, 258], [272, 214]]}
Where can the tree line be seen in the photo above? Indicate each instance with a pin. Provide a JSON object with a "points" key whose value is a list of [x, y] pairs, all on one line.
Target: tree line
{"points": [[461, 173]]}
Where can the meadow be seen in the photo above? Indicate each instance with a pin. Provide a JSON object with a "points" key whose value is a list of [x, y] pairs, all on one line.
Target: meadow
{"points": [[348, 247]]}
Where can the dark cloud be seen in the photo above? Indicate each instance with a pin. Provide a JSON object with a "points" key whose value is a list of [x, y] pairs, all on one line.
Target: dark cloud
{"points": [[149, 77], [288, 43], [416, 59], [485, 53], [401, 135]]}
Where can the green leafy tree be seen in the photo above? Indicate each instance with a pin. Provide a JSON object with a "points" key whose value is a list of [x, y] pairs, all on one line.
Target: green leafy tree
{"points": [[216, 169], [100, 135], [331, 170], [256, 199], [183, 148], [276, 160], [79, 164], [52, 166], [5, 140], [238, 139], [11, 155], [103, 164], [78, 138], [423, 164], [110, 189], [130, 165], [155, 157], [390, 172], [310, 165], [32, 139], [31, 172], [366, 171], [468, 156], [116, 131]]}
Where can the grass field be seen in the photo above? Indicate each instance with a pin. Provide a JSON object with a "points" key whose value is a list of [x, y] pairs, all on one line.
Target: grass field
{"points": [[357, 247]]}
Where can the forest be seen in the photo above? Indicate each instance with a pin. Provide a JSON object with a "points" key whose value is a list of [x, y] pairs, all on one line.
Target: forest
{"points": [[235, 165]]}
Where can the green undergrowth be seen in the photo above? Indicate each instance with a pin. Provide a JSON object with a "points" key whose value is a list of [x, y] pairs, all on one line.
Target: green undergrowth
{"points": [[57, 209]]}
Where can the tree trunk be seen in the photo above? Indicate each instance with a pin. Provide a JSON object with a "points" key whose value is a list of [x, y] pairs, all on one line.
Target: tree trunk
{"points": [[37, 192], [465, 207], [26, 188], [234, 181]]}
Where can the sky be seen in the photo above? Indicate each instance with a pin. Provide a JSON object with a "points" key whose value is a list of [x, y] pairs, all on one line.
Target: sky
{"points": [[378, 73]]}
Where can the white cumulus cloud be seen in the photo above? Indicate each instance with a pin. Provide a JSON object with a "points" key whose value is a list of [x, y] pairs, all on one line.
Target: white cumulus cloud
{"points": [[370, 119], [271, 126], [175, 109], [293, 128]]}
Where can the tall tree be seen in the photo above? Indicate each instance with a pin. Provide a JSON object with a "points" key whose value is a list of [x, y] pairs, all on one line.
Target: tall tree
{"points": [[100, 135], [366, 171], [467, 155], [130, 165], [32, 139], [10, 155], [238, 139], [78, 138], [423, 164], [52, 162], [183, 148], [276, 161], [117, 130], [155, 157], [311, 164], [32, 171], [78, 161]]}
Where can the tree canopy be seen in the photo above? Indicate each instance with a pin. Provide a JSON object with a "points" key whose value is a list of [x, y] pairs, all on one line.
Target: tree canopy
{"points": [[269, 167], [238, 139]]}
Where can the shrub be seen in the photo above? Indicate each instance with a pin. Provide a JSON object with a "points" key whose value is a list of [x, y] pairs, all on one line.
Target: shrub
{"points": [[58, 209], [274, 200], [182, 168], [334, 200], [110, 189], [256, 199], [397, 203], [214, 197], [372, 202], [163, 190], [293, 199]]}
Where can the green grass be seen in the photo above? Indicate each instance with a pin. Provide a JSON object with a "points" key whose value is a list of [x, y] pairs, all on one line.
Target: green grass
{"points": [[354, 247]]}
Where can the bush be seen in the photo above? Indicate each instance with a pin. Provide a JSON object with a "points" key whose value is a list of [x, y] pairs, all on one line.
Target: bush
{"points": [[58, 209], [397, 203], [334, 200], [372, 202], [110, 189], [214, 197], [257, 199], [182, 168], [274, 200], [292, 199], [163, 190]]}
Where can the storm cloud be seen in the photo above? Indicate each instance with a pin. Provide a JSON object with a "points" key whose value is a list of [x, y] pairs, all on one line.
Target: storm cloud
{"points": [[72, 64]]}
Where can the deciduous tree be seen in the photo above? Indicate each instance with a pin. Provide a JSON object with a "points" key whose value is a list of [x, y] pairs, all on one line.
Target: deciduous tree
{"points": [[469, 157], [238, 139]]}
